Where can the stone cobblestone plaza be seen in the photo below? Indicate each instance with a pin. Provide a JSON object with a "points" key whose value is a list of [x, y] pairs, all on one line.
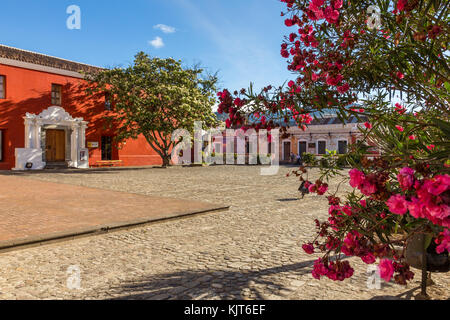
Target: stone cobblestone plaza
{"points": [[252, 251]]}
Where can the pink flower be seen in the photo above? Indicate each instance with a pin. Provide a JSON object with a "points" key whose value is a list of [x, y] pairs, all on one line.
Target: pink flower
{"points": [[356, 178], [319, 269], [263, 120], [431, 147], [415, 208], [344, 88], [338, 4], [400, 75], [386, 269], [368, 258], [308, 248], [313, 7], [368, 188], [437, 185], [318, 3], [399, 108], [347, 210], [435, 211], [363, 203], [334, 81], [401, 4], [400, 128], [288, 23], [322, 189], [331, 15], [397, 204], [406, 178], [445, 242], [315, 76], [368, 125], [413, 137]]}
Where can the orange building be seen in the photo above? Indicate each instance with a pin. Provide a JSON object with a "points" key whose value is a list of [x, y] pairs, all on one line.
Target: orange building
{"points": [[46, 119]]}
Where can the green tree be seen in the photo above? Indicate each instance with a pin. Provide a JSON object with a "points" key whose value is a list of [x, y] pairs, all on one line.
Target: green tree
{"points": [[155, 97]]}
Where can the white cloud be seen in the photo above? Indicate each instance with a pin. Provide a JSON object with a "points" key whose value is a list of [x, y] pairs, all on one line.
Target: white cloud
{"points": [[157, 43], [164, 28]]}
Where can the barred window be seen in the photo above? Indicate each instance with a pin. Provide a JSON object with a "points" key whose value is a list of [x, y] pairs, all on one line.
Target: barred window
{"points": [[2, 87], [106, 148], [56, 94], [321, 147], [108, 101], [342, 146], [1, 145]]}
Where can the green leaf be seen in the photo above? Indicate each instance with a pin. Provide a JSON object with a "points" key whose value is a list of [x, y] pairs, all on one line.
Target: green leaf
{"points": [[428, 239]]}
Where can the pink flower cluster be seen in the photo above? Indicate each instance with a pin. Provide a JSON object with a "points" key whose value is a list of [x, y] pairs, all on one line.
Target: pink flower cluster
{"points": [[387, 268], [337, 271], [354, 246], [319, 187], [443, 242], [429, 199], [363, 183], [330, 13]]}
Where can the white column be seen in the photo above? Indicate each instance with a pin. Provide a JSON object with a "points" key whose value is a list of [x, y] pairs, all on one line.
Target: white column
{"points": [[83, 134], [29, 133], [37, 134], [74, 144]]}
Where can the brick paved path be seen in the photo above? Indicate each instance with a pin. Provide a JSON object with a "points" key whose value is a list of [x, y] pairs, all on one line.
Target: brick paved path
{"points": [[250, 252], [32, 210]]}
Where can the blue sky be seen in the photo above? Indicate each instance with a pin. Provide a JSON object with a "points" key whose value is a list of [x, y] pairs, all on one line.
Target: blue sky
{"points": [[239, 38]]}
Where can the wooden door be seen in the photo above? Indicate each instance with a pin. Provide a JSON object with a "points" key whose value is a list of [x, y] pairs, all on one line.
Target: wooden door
{"points": [[302, 148], [287, 151], [55, 145]]}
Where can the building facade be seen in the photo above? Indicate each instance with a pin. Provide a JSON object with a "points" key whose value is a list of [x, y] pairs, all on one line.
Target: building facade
{"points": [[328, 133], [46, 118], [325, 134]]}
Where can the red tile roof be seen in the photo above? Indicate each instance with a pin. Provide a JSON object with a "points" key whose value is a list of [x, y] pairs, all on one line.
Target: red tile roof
{"points": [[44, 60]]}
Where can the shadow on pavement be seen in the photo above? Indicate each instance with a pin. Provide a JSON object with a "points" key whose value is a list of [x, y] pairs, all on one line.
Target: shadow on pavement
{"points": [[210, 284]]}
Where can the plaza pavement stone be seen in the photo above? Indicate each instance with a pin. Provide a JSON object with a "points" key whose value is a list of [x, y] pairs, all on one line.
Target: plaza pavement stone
{"points": [[252, 251]]}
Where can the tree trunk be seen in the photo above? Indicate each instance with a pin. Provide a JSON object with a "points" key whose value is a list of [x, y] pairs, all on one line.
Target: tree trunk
{"points": [[166, 161]]}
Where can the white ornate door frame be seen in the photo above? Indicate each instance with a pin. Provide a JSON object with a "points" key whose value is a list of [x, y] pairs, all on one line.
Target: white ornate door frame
{"points": [[33, 151]]}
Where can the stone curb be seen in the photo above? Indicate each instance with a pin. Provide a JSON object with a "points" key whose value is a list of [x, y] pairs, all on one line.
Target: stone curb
{"points": [[35, 241]]}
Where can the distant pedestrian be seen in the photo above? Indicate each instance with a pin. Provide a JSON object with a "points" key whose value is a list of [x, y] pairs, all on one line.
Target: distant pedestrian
{"points": [[292, 157], [299, 159]]}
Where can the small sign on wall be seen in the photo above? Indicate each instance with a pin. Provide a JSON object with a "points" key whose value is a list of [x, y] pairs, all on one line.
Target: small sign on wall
{"points": [[83, 156], [92, 144]]}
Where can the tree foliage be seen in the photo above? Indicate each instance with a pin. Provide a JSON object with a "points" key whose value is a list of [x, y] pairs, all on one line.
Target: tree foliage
{"points": [[154, 97]]}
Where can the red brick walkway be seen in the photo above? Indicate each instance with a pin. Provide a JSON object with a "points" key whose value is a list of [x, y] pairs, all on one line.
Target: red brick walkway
{"points": [[32, 210]]}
